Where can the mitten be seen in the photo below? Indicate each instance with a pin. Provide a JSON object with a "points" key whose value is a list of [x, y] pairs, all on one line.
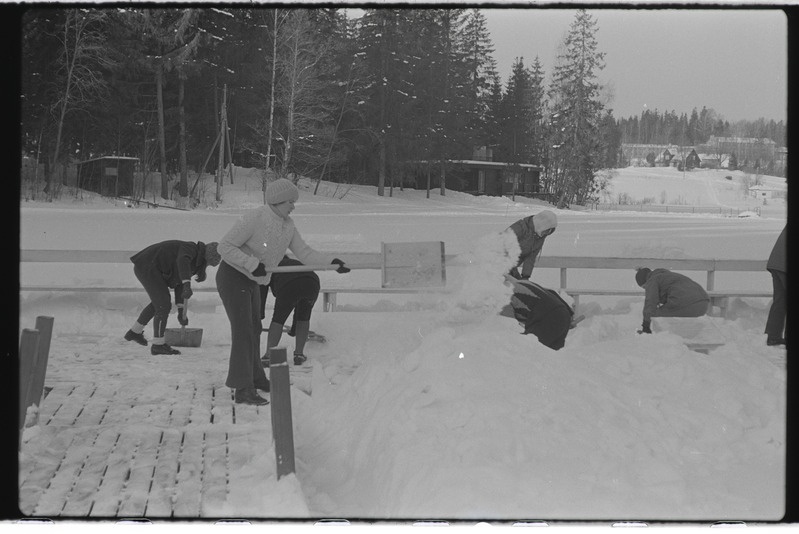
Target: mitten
{"points": [[187, 292], [182, 319], [341, 269], [260, 270]]}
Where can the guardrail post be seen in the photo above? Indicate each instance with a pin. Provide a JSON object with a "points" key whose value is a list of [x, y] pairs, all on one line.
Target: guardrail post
{"points": [[28, 347], [282, 429], [710, 280], [563, 278]]}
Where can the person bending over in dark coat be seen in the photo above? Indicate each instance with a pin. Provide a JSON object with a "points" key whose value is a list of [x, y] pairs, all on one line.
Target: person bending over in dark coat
{"points": [[776, 265], [541, 311], [159, 268], [670, 294], [531, 232], [293, 291]]}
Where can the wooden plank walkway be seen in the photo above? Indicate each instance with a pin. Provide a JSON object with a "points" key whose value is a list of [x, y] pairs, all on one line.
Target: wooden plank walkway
{"points": [[133, 451]]}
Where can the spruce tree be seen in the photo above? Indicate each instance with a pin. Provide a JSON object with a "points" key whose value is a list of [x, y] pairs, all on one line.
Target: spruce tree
{"points": [[577, 111]]}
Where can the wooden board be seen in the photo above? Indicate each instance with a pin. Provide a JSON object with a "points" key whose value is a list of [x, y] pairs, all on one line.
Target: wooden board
{"points": [[414, 264], [700, 334]]}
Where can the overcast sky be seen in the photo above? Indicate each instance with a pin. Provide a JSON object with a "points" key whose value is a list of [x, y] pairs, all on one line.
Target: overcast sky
{"points": [[734, 61]]}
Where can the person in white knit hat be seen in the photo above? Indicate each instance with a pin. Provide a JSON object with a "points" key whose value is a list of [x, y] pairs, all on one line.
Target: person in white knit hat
{"points": [[531, 232], [255, 244]]}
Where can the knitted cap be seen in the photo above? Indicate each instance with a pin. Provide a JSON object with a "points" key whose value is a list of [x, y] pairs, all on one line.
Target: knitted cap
{"points": [[212, 257], [544, 220], [281, 190], [641, 276]]}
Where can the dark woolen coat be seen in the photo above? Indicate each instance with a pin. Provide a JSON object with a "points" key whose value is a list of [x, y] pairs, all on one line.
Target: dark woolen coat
{"points": [[542, 312], [670, 291], [174, 261], [776, 260]]}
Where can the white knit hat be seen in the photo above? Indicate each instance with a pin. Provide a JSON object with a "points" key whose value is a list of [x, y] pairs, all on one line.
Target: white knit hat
{"points": [[281, 190], [544, 220]]}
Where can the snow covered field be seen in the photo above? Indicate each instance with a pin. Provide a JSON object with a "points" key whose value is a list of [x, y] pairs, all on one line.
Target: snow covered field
{"points": [[433, 406]]}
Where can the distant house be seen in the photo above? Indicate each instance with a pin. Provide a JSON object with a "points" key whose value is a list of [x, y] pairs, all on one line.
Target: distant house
{"points": [[480, 175], [493, 178], [665, 157], [692, 160], [762, 192], [110, 176]]}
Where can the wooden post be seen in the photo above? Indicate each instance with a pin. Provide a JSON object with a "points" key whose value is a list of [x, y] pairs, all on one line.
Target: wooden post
{"points": [[45, 327], [282, 429], [563, 278], [28, 347]]}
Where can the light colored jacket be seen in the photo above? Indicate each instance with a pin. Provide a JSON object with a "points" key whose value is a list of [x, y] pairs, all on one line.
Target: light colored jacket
{"points": [[530, 244], [262, 236]]}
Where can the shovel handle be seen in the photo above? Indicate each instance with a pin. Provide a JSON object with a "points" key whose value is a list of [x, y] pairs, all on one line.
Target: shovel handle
{"points": [[330, 267]]}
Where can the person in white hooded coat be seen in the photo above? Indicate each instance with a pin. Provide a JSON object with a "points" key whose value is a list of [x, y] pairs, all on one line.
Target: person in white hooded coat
{"points": [[531, 232], [257, 242]]}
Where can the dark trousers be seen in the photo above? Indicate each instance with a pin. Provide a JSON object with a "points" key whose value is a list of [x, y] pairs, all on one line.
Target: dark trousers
{"points": [[697, 309], [775, 324], [160, 300], [242, 301], [298, 296]]}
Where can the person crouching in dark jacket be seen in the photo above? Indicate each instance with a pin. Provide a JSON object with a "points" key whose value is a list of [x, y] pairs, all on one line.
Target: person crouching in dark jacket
{"points": [[542, 312], [670, 294], [161, 267]]}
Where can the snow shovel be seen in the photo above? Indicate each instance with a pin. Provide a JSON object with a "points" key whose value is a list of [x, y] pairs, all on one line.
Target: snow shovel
{"points": [[184, 337], [402, 265]]}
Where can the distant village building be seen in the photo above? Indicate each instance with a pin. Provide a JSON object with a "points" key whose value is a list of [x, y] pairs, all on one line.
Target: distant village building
{"points": [[744, 148], [646, 155], [108, 175], [762, 192], [482, 176]]}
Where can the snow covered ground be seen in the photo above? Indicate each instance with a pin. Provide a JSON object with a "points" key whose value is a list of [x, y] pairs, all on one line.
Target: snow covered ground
{"points": [[434, 406]]}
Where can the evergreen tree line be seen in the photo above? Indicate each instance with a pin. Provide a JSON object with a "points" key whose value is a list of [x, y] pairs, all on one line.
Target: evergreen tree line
{"points": [[387, 99], [669, 128]]}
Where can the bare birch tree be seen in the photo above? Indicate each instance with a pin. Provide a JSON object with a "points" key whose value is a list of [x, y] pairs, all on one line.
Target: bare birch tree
{"points": [[82, 41]]}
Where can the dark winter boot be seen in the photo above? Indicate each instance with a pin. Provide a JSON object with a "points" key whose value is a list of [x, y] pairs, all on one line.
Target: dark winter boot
{"points": [[299, 359], [162, 349], [130, 335], [249, 396]]}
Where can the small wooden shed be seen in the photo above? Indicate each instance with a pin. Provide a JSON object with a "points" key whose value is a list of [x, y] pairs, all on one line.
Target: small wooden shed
{"points": [[111, 176]]}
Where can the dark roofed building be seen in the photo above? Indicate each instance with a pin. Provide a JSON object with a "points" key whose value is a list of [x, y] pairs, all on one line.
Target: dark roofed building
{"points": [[111, 176]]}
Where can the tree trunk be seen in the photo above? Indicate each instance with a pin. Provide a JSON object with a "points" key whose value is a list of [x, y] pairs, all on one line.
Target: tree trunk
{"points": [[443, 178], [159, 81], [271, 104], [183, 188], [381, 173], [221, 162]]}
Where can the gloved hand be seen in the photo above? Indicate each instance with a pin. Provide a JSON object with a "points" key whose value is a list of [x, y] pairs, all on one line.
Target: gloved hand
{"points": [[645, 328], [260, 270], [187, 292], [341, 269], [182, 319]]}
